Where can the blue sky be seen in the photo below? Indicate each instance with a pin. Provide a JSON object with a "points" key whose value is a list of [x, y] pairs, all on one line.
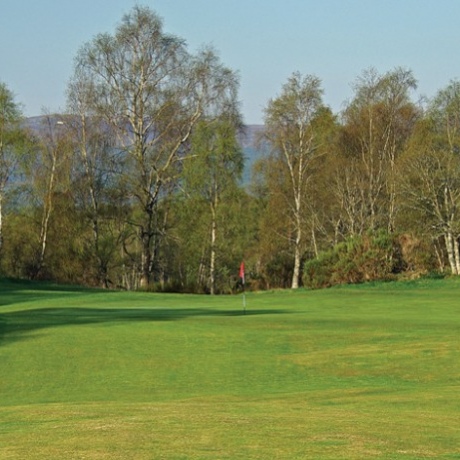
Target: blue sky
{"points": [[265, 41]]}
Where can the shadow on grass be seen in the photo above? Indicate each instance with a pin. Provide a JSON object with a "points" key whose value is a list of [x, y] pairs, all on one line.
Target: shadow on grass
{"points": [[22, 324], [18, 291]]}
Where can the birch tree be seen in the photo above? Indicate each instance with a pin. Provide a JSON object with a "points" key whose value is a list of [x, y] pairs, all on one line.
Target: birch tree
{"points": [[152, 92], [377, 124], [96, 171], [12, 140], [291, 133], [430, 173], [49, 172], [211, 178]]}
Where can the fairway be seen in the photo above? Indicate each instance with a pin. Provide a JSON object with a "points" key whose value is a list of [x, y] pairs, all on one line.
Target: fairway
{"points": [[357, 372]]}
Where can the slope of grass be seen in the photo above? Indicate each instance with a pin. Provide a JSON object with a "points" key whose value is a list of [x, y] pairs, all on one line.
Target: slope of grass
{"points": [[356, 372]]}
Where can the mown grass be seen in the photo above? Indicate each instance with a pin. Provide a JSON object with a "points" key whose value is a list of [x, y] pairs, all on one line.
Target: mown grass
{"points": [[358, 372]]}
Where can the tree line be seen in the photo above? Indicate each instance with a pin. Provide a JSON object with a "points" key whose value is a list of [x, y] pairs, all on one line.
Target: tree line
{"points": [[138, 184]]}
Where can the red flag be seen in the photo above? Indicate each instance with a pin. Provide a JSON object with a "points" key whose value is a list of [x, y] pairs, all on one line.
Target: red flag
{"points": [[242, 272]]}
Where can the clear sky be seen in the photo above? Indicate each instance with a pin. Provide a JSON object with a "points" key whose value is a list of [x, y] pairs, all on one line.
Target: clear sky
{"points": [[264, 40]]}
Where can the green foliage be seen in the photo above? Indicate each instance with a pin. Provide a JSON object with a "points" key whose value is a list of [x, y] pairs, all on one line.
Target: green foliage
{"points": [[210, 218], [18, 252], [13, 142], [189, 244], [374, 256], [318, 272]]}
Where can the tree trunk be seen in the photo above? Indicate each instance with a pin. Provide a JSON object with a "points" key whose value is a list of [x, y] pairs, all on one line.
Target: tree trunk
{"points": [[146, 260], [48, 207], [147, 234], [439, 257], [296, 273], [202, 272], [212, 261], [457, 255], [392, 209], [313, 238], [451, 252]]}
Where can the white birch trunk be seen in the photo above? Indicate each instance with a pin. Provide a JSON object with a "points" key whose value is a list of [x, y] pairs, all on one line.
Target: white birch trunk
{"points": [[298, 240], [48, 207], [296, 273], [212, 261], [451, 252], [456, 255]]}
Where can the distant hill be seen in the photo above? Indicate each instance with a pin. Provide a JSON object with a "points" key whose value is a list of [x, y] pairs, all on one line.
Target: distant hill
{"points": [[253, 149], [248, 139]]}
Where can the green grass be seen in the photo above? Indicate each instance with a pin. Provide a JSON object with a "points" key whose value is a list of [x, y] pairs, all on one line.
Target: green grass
{"points": [[357, 372]]}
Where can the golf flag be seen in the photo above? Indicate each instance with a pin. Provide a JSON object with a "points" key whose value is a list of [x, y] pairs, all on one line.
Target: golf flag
{"points": [[242, 283]]}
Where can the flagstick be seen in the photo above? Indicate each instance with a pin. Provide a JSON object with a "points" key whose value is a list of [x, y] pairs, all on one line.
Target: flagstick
{"points": [[243, 284]]}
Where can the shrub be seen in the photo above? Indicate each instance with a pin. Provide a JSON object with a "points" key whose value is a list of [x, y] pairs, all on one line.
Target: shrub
{"points": [[369, 257], [318, 272]]}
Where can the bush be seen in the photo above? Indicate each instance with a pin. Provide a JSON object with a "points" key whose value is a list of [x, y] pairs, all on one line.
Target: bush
{"points": [[318, 273], [374, 256]]}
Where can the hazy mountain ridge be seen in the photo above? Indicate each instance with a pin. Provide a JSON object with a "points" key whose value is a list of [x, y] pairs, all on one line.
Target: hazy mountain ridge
{"points": [[248, 139]]}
